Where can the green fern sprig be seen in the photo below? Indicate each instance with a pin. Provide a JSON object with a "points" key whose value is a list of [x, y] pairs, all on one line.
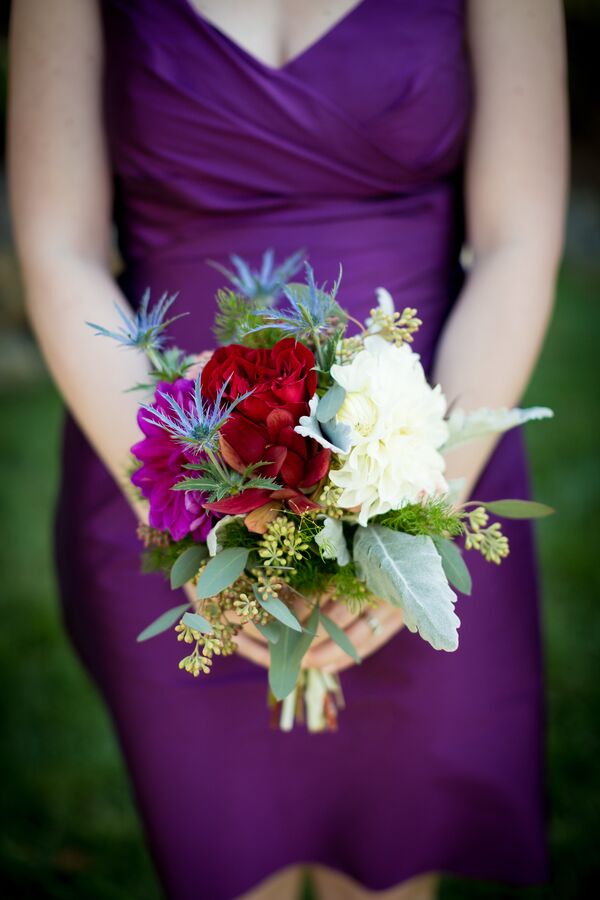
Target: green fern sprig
{"points": [[433, 517], [218, 481]]}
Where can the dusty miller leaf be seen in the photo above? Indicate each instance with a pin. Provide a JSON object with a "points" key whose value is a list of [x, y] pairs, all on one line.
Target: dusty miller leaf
{"points": [[406, 570]]}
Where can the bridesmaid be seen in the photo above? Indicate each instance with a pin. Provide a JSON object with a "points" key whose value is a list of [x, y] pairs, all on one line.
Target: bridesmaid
{"points": [[61, 195]]}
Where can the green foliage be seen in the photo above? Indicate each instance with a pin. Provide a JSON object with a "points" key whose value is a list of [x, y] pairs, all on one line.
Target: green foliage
{"points": [[517, 509], [311, 574], [287, 653], [221, 571], [340, 637], [168, 365], [237, 317], [235, 534], [453, 564], [197, 623], [329, 355], [406, 570], [162, 557], [187, 565], [349, 588], [433, 517], [276, 607], [163, 623], [218, 481]]}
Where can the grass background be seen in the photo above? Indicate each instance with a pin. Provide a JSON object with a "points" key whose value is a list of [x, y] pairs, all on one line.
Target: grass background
{"points": [[68, 828]]}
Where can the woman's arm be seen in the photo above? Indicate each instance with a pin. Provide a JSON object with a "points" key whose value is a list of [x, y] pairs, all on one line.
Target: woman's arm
{"points": [[60, 191], [516, 182], [60, 194], [516, 178]]}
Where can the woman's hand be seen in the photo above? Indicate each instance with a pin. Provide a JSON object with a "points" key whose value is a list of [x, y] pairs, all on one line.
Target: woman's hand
{"points": [[252, 645], [368, 632]]}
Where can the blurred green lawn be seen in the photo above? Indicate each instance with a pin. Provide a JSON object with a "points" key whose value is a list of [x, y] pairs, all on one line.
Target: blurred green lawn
{"points": [[68, 829]]}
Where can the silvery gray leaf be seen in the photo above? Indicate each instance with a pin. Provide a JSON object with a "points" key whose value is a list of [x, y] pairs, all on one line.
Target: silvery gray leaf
{"points": [[466, 426], [309, 426], [406, 570]]}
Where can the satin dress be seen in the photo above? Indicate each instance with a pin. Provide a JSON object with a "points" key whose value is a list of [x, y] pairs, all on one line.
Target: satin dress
{"points": [[354, 151]]}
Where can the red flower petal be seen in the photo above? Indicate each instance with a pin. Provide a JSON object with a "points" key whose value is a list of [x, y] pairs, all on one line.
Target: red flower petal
{"points": [[256, 406], [293, 441], [300, 503], [292, 470], [278, 419], [240, 503], [277, 457], [316, 467], [246, 438], [230, 455]]}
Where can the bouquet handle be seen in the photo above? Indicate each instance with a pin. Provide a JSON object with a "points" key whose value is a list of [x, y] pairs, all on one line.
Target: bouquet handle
{"points": [[315, 700]]}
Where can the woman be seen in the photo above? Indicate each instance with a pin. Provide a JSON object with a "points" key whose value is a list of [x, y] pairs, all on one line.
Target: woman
{"points": [[344, 128]]}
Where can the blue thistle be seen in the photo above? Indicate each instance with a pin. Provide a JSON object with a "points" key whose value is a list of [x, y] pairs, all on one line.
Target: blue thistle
{"points": [[310, 312], [144, 327], [265, 283], [199, 426]]}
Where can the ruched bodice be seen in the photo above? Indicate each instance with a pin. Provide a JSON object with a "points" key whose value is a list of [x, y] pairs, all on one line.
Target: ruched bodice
{"points": [[354, 151]]}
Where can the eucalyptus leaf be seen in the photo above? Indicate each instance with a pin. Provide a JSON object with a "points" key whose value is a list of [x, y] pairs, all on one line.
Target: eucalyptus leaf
{"points": [[221, 571], [518, 509], [406, 570], [330, 402], [278, 610], [270, 630], [340, 637], [187, 564], [286, 656], [453, 564], [198, 622], [165, 621]]}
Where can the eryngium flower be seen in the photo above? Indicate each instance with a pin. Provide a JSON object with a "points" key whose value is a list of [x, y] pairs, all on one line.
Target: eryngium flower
{"points": [[267, 282], [310, 311], [197, 422], [144, 327]]}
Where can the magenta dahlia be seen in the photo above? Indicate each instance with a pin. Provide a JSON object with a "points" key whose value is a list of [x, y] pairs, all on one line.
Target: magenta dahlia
{"points": [[163, 459]]}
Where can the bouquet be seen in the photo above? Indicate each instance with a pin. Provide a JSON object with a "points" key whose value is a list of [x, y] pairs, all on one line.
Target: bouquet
{"points": [[300, 464]]}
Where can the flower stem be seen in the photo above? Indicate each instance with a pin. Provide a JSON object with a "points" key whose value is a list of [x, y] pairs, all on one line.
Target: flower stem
{"points": [[154, 359]]}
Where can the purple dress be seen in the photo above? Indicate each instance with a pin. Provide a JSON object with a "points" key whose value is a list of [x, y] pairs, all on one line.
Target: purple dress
{"points": [[353, 151]]}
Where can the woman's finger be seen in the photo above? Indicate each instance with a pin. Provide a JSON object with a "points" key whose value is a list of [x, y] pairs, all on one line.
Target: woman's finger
{"points": [[331, 658], [339, 612]]}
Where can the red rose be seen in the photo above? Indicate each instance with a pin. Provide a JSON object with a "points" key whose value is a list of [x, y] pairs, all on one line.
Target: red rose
{"points": [[283, 377], [261, 429]]}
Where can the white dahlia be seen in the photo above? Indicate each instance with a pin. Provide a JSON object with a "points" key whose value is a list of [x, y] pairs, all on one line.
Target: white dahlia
{"points": [[397, 426]]}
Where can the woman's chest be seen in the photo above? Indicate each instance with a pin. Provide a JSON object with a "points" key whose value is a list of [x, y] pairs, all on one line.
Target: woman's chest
{"points": [[385, 89]]}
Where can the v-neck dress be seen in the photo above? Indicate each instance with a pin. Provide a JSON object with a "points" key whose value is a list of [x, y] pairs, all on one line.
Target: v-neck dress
{"points": [[353, 151]]}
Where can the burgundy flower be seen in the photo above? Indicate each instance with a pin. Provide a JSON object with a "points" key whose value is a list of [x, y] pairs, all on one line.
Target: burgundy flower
{"points": [[261, 429], [282, 377]]}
